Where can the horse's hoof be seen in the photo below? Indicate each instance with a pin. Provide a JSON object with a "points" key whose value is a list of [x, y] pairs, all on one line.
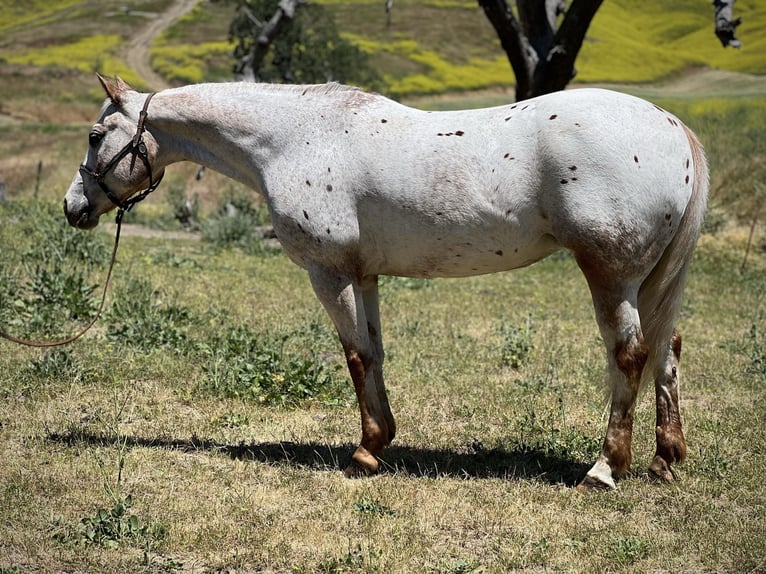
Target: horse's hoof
{"points": [[660, 470], [598, 478], [593, 484], [363, 464]]}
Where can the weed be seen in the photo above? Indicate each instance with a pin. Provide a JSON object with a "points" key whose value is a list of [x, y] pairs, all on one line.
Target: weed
{"points": [[49, 284], [461, 566], [107, 527], [517, 344], [139, 318], [116, 525], [58, 364], [626, 550], [235, 223], [757, 352], [242, 364], [355, 560], [411, 283], [372, 507], [231, 420]]}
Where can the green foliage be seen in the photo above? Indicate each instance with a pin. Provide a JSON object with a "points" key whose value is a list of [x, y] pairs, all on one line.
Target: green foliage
{"points": [[56, 364], [49, 285], [89, 54], [626, 550], [235, 223], [241, 364], [139, 317], [111, 527], [309, 49], [372, 507], [517, 344], [191, 63]]}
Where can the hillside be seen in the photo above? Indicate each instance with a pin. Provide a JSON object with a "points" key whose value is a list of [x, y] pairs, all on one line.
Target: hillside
{"points": [[627, 42], [50, 49]]}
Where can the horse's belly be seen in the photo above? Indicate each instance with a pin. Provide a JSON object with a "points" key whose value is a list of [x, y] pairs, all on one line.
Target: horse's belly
{"points": [[456, 254]]}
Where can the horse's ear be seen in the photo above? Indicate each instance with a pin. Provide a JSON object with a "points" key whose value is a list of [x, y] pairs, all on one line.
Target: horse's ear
{"points": [[115, 89]]}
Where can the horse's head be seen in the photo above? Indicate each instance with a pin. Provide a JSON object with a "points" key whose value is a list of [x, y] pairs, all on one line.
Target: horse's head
{"points": [[120, 161]]}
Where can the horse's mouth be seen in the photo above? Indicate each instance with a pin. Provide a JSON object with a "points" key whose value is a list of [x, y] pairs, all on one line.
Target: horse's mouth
{"points": [[82, 221], [85, 221]]}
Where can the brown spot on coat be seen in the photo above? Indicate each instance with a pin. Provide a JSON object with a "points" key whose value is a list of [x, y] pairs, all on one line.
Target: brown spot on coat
{"points": [[572, 168], [631, 357], [675, 344], [499, 252], [553, 117], [459, 133], [305, 215], [635, 158], [329, 187]]}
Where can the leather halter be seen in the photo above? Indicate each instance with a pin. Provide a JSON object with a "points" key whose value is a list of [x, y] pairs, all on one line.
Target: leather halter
{"points": [[137, 147]]}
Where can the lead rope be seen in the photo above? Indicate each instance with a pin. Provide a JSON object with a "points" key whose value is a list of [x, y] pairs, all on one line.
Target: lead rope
{"points": [[81, 332]]}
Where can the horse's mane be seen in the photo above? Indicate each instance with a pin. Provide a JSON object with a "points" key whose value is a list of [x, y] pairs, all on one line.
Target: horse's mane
{"points": [[351, 94]]}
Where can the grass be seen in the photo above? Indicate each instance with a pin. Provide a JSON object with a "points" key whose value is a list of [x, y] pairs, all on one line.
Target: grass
{"points": [[476, 481], [204, 422], [496, 383]]}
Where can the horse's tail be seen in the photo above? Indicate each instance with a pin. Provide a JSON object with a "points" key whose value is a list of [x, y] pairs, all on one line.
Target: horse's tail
{"points": [[659, 298]]}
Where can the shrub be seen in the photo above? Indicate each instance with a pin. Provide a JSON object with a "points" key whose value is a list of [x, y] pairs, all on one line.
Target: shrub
{"points": [[235, 224], [517, 344], [139, 318], [244, 365]]}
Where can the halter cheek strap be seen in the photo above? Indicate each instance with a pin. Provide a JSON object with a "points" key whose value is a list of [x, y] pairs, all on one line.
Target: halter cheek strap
{"points": [[137, 147]]}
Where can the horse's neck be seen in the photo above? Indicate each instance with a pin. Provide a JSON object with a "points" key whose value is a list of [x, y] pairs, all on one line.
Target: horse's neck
{"points": [[233, 129]]}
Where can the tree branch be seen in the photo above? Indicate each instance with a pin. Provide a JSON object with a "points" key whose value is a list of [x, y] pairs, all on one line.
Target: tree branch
{"points": [[252, 61], [726, 24], [558, 69], [514, 41]]}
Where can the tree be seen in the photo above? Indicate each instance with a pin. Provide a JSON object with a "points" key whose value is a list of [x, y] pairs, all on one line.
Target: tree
{"points": [[542, 54], [294, 41]]}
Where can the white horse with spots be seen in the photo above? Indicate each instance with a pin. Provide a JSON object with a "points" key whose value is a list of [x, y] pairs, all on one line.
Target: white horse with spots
{"points": [[360, 186]]}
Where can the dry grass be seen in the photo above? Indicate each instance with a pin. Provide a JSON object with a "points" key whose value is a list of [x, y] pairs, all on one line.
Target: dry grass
{"points": [[479, 478]]}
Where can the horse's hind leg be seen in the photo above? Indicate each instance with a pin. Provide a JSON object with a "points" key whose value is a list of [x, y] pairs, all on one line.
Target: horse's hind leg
{"points": [[344, 299], [618, 320], [671, 445]]}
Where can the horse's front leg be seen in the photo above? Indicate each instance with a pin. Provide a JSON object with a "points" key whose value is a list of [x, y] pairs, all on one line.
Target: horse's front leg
{"points": [[343, 299]]}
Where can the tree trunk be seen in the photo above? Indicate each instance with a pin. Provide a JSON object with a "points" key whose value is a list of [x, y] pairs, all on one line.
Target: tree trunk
{"points": [[247, 69], [542, 56]]}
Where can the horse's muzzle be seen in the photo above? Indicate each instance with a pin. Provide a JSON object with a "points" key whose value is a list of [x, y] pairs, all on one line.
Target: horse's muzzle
{"points": [[81, 217]]}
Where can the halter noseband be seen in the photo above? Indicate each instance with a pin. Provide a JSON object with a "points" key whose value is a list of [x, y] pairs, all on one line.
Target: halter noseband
{"points": [[137, 147]]}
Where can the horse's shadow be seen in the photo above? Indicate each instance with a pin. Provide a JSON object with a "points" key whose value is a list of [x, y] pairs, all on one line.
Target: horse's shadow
{"points": [[529, 464]]}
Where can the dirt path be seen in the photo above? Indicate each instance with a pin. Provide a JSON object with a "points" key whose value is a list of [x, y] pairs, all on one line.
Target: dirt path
{"points": [[137, 49]]}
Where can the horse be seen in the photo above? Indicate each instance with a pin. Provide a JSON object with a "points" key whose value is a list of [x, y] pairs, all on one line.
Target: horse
{"points": [[359, 186]]}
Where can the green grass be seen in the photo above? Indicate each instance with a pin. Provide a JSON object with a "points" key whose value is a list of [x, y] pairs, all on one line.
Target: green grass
{"points": [[169, 475], [204, 422]]}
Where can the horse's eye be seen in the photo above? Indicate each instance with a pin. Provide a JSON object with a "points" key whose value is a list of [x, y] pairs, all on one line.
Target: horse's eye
{"points": [[95, 138]]}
